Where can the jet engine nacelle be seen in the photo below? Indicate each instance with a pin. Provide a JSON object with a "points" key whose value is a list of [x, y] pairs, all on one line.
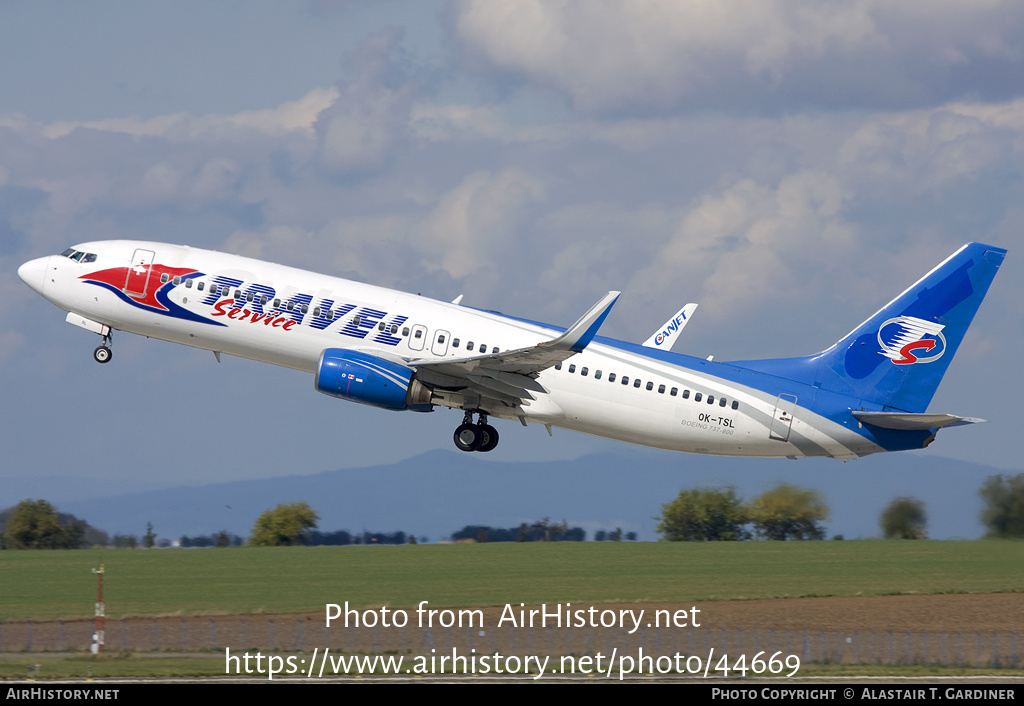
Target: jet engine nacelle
{"points": [[368, 379]]}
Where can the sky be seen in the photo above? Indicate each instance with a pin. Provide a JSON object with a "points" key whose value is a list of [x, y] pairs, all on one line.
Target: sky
{"points": [[790, 166]]}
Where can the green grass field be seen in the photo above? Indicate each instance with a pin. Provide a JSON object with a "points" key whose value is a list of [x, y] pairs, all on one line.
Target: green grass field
{"points": [[50, 585]]}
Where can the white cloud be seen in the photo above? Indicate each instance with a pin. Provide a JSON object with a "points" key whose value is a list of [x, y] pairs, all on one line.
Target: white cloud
{"points": [[298, 116], [471, 221], [359, 132], [215, 180], [607, 55], [740, 249], [923, 150]]}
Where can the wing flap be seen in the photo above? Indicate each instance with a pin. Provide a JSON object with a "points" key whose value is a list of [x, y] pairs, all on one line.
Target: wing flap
{"points": [[511, 373], [500, 387]]}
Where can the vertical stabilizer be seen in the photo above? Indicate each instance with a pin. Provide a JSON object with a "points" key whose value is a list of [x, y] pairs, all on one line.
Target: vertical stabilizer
{"points": [[897, 358]]}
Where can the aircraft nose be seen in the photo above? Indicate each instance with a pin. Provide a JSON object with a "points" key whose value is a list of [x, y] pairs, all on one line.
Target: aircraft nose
{"points": [[33, 273]]}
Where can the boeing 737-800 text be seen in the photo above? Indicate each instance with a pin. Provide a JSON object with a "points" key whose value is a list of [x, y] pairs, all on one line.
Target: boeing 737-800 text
{"points": [[867, 393]]}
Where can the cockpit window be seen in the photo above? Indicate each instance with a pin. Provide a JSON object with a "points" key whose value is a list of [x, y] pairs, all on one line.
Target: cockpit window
{"points": [[79, 256]]}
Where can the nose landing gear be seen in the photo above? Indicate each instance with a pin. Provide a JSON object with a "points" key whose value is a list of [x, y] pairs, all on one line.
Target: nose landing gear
{"points": [[103, 354], [475, 437]]}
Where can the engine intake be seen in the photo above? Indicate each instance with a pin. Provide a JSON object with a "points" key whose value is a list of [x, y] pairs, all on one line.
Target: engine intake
{"points": [[368, 379]]}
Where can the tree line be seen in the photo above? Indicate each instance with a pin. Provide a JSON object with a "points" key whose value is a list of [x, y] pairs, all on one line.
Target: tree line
{"points": [[36, 524], [788, 512], [719, 515], [785, 512], [543, 531]]}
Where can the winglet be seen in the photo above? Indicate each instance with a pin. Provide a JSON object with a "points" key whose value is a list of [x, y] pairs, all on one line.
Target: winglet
{"points": [[581, 333]]}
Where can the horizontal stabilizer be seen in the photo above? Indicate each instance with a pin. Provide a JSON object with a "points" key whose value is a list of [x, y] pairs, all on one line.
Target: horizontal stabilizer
{"points": [[907, 421]]}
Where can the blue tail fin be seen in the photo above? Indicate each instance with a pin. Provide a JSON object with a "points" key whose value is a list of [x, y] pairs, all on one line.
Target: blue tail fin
{"points": [[897, 358]]}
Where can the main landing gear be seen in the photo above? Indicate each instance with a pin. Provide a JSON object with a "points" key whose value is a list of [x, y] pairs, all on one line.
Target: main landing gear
{"points": [[102, 354], [476, 437]]}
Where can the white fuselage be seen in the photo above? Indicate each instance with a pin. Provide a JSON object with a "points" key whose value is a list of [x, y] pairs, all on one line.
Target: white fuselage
{"points": [[251, 319]]}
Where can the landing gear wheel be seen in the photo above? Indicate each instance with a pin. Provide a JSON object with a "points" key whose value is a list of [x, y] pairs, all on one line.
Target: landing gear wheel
{"points": [[490, 435], [468, 437], [102, 354]]}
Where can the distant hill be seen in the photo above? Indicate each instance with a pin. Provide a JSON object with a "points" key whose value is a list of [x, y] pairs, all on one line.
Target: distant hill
{"points": [[439, 492]]}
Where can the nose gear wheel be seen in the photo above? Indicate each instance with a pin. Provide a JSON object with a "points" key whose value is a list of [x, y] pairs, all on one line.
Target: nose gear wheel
{"points": [[103, 354]]}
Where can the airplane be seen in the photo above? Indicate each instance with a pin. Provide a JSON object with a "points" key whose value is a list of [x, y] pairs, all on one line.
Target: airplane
{"points": [[865, 394]]}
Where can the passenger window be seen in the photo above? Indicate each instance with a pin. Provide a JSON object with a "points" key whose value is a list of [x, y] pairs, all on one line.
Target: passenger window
{"points": [[238, 294], [316, 310], [558, 366], [494, 350], [455, 343], [483, 349], [611, 377], [380, 326], [597, 374], [164, 278], [305, 308], [673, 391], [249, 297], [636, 383], [722, 402], [419, 333], [330, 315], [405, 331], [358, 320], [469, 346], [661, 389], [440, 339], [625, 379], [188, 284], [572, 368], [394, 329], [711, 399], [177, 280], [584, 371], [735, 404], [686, 394], [263, 299], [650, 386], [277, 303], [200, 286], [697, 396]]}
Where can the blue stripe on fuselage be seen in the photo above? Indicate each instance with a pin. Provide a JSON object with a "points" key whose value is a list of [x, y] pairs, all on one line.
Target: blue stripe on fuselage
{"points": [[830, 405]]}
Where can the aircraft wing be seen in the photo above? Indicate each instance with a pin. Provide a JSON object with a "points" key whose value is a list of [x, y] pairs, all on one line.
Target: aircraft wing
{"points": [[510, 376]]}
